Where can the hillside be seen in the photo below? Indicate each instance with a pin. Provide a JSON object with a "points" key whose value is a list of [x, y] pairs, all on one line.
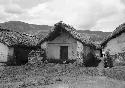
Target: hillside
{"points": [[94, 32], [44, 29], [95, 35], [24, 27]]}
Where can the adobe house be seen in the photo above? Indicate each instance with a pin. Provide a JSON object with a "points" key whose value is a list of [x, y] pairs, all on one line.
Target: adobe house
{"points": [[115, 44], [15, 47], [65, 43]]}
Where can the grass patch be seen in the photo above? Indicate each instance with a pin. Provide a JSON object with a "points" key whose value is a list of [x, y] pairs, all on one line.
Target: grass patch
{"points": [[115, 72], [45, 74]]}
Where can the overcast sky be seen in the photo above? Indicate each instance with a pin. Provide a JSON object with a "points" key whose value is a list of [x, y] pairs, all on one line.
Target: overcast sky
{"points": [[103, 15]]}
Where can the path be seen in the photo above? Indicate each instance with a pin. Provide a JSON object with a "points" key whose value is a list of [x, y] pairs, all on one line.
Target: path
{"points": [[94, 82]]}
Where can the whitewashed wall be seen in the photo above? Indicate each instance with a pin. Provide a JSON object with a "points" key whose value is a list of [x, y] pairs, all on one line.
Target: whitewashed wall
{"points": [[44, 45], [79, 51], [53, 47], [116, 45], [3, 52]]}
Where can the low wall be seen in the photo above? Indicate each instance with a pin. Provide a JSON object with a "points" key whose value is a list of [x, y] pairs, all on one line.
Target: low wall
{"points": [[118, 59]]}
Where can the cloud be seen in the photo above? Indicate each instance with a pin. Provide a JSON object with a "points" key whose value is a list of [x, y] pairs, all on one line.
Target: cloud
{"points": [[9, 11], [28, 3], [13, 9], [82, 14], [110, 23], [3, 15]]}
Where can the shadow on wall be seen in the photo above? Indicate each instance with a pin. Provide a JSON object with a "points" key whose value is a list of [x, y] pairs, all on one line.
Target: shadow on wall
{"points": [[20, 56], [23, 56]]}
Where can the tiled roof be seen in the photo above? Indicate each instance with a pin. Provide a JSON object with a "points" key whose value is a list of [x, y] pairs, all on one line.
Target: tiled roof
{"points": [[16, 38], [60, 26], [120, 29]]}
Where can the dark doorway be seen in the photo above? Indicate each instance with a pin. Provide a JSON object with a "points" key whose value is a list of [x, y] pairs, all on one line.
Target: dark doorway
{"points": [[21, 55], [63, 52]]}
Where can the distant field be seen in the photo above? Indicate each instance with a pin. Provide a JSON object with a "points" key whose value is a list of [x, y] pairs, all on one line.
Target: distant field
{"points": [[60, 76]]}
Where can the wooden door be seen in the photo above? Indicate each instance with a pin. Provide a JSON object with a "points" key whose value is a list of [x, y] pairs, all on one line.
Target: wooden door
{"points": [[64, 52]]}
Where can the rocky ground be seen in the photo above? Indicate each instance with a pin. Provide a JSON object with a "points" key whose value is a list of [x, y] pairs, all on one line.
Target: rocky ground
{"points": [[61, 76]]}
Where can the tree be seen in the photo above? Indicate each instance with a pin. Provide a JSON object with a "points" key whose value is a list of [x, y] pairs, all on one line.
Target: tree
{"points": [[90, 60]]}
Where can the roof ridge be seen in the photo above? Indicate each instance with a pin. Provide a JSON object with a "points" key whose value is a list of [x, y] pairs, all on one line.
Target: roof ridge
{"points": [[115, 33], [82, 37]]}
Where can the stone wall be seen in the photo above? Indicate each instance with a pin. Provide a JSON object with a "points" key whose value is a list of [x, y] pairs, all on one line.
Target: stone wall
{"points": [[36, 56]]}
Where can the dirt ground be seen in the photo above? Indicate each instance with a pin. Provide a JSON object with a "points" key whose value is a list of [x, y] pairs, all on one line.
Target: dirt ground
{"points": [[80, 82], [55, 76], [90, 82]]}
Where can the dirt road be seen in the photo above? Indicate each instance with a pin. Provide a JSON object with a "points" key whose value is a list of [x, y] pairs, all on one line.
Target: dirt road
{"points": [[88, 82], [59, 76], [79, 82]]}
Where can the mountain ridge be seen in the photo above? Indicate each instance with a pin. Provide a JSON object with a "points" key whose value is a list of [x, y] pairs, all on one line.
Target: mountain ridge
{"points": [[35, 29]]}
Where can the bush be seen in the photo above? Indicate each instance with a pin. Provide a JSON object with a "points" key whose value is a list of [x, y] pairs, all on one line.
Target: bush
{"points": [[60, 61], [90, 60]]}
